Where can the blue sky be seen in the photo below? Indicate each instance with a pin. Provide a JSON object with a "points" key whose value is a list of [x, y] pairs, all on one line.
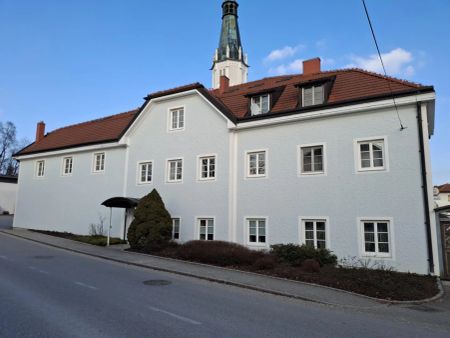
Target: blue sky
{"points": [[69, 61]]}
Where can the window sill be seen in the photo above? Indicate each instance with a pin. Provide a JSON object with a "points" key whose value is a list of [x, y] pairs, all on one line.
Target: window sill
{"points": [[376, 255], [308, 174]]}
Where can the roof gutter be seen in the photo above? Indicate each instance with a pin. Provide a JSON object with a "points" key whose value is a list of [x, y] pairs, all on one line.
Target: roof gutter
{"points": [[426, 202]]}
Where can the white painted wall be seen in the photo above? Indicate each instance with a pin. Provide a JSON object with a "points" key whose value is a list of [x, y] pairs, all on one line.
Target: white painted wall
{"points": [[8, 194], [69, 203], [236, 71], [442, 199]]}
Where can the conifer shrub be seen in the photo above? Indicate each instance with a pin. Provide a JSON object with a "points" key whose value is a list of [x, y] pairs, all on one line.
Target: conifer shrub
{"points": [[294, 254], [151, 229]]}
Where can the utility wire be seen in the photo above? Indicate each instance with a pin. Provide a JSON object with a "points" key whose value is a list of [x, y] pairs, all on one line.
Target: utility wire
{"points": [[382, 64]]}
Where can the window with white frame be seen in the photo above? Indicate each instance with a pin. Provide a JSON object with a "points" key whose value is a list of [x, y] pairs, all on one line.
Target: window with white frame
{"points": [[40, 168], [206, 230], [260, 104], [176, 119], [312, 160], [313, 95], [256, 164], [145, 172], [67, 165], [99, 162], [175, 170], [207, 167], [315, 233], [371, 155], [376, 238], [256, 230], [175, 228]]}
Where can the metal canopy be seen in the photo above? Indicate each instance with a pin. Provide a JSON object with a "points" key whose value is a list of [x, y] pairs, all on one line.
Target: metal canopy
{"points": [[121, 202]]}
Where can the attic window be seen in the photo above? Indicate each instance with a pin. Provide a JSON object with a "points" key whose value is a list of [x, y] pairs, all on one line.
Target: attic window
{"points": [[260, 104], [313, 95]]}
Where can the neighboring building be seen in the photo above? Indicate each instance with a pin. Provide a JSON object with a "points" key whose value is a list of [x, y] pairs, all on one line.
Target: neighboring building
{"points": [[442, 195], [316, 158], [8, 194]]}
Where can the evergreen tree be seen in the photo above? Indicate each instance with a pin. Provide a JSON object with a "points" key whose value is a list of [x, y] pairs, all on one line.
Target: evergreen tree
{"points": [[151, 229]]}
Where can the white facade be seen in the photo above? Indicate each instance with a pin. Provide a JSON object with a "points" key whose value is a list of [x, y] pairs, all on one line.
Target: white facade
{"points": [[236, 71], [280, 197], [8, 195]]}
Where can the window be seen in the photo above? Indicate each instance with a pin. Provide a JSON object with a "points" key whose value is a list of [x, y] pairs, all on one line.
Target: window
{"points": [[206, 229], [176, 119], [40, 168], [175, 228], [260, 104], [207, 168], [256, 164], [256, 230], [67, 165], [99, 162], [315, 233], [448, 198], [145, 172], [175, 170], [371, 155], [313, 95], [312, 160], [376, 238]]}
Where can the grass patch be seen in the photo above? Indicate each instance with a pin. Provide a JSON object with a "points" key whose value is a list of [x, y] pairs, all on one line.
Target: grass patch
{"points": [[94, 240], [307, 265]]}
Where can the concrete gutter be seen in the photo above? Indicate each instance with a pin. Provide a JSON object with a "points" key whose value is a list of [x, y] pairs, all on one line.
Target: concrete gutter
{"points": [[273, 285]]}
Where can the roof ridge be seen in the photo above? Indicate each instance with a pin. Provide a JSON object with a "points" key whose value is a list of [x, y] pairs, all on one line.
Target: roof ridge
{"points": [[109, 117], [164, 91]]}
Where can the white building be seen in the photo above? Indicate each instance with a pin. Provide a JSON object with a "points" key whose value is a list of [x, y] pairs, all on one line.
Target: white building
{"points": [[8, 194], [316, 158], [442, 195]]}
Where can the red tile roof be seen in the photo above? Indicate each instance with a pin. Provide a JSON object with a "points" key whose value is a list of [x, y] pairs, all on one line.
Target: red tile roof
{"points": [[445, 188], [348, 85]]}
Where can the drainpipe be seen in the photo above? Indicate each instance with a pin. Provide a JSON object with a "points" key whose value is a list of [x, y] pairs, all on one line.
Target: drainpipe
{"points": [[426, 202]]}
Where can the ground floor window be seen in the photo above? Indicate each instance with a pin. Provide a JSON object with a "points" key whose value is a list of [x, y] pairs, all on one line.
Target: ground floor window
{"points": [[256, 230], [175, 228], [315, 233], [206, 229], [376, 238]]}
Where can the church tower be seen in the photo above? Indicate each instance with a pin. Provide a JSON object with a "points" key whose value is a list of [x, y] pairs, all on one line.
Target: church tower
{"points": [[229, 59]]}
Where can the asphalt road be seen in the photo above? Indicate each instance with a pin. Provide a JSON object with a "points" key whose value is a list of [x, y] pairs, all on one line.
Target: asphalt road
{"points": [[48, 292]]}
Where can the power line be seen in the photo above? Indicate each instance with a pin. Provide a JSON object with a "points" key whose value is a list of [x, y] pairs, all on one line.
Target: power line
{"points": [[382, 64]]}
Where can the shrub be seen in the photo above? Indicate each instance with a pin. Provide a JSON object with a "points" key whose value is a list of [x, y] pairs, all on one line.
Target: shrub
{"points": [[295, 254], [267, 262], [151, 229], [218, 253], [310, 266]]}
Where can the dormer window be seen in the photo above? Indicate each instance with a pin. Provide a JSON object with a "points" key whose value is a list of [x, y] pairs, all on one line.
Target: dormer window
{"points": [[260, 104], [313, 95]]}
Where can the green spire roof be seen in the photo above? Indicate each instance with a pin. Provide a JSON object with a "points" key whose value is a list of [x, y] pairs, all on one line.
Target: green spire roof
{"points": [[230, 39]]}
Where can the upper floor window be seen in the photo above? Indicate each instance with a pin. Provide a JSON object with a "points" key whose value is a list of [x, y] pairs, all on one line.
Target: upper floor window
{"points": [[145, 172], [260, 104], [312, 159], [371, 155], [175, 170], [256, 164], [376, 240], [99, 162], [40, 168], [207, 167], [313, 95], [67, 165], [176, 119]]}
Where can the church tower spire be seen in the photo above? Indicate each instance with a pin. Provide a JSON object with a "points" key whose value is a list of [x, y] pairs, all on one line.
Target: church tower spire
{"points": [[229, 59]]}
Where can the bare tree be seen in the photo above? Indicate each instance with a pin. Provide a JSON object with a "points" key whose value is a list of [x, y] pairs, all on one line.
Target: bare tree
{"points": [[8, 146]]}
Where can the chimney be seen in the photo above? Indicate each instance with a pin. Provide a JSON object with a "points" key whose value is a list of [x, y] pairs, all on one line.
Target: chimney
{"points": [[224, 84], [311, 66], [40, 131]]}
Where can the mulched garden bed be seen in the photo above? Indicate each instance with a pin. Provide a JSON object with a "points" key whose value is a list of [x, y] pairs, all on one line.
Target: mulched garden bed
{"points": [[94, 240], [383, 283]]}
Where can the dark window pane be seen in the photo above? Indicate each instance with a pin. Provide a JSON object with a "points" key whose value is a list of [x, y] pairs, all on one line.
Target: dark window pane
{"points": [[370, 247]]}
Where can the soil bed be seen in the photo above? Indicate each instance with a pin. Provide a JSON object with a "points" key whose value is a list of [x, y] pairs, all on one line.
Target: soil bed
{"points": [[94, 240]]}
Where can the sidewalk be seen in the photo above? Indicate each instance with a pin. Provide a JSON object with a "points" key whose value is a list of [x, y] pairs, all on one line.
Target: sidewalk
{"points": [[293, 289]]}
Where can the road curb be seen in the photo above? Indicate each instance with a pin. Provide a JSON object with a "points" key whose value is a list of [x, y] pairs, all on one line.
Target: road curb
{"points": [[236, 284]]}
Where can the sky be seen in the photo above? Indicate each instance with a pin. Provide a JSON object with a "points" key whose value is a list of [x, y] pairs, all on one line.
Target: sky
{"points": [[69, 61]]}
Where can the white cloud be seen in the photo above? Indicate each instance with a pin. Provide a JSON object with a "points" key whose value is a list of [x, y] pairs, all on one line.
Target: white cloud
{"points": [[397, 62], [283, 53], [295, 66]]}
